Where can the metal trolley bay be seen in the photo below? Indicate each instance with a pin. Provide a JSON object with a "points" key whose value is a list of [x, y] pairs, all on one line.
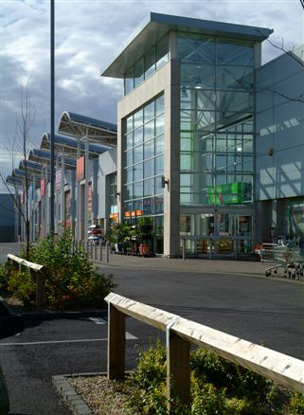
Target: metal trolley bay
{"points": [[288, 258]]}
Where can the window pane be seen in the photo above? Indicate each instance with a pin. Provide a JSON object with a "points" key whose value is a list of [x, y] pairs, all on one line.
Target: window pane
{"points": [[159, 144], [159, 124], [129, 140], [129, 157], [159, 165], [198, 76], [149, 62], [129, 123], [129, 175], [138, 118], [149, 130], [149, 187], [149, 168], [138, 136], [149, 149], [231, 52], [186, 162], [234, 77], [196, 48], [128, 191], [129, 80], [138, 153], [138, 190], [138, 171], [149, 112], [162, 52], [160, 105], [158, 185], [139, 71], [233, 102]]}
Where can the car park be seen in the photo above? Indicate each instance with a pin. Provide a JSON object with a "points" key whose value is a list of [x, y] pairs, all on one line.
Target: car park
{"points": [[10, 325]]}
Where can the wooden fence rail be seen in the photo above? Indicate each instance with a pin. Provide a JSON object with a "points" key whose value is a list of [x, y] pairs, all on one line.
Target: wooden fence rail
{"points": [[37, 271], [180, 333]]}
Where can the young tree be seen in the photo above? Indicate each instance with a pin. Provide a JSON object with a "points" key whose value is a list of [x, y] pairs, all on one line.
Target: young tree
{"points": [[20, 144]]}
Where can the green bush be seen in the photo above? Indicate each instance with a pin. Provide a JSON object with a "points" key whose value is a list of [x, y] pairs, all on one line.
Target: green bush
{"points": [[71, 281], [218, 387], [22, 284]]}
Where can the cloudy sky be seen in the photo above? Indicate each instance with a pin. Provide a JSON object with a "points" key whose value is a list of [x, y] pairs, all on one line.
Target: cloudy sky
{"points": [[89, 33]]}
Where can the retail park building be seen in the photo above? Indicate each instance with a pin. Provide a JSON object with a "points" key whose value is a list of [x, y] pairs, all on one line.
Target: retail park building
{"points": [[209, 143]]}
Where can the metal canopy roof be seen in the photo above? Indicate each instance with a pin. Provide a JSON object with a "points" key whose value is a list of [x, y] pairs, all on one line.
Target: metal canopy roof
{"points": [[13, 181], [30, 166], [68, 145], [43, 157], [79, 126], [156, 25], [20, 174]]}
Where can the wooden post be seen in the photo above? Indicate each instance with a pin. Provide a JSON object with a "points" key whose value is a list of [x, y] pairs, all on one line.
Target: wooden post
{"points": [[178, 369], [116, 343], [40, 289]]}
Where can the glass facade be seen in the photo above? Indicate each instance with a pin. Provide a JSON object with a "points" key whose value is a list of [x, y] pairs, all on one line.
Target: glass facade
{"points": [[146, 65], [216, 131], [143, 163], [216, 121]]}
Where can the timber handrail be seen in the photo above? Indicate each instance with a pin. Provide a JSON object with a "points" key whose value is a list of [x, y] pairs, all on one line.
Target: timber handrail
{"points": [[36, 271], [180, 332]]}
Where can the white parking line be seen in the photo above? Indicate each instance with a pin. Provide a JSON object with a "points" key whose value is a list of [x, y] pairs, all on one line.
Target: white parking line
{"points": [[98, 320], [129, 336]]}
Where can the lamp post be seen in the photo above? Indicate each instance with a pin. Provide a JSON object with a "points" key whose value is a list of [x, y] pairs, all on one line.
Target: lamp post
{"points": [[52, 161]]}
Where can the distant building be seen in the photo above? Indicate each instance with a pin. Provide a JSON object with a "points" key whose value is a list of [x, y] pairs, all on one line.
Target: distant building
{"points": [[8, 231]]}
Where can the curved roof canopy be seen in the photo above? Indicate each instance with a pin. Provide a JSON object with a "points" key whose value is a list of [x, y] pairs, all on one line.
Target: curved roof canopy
{"points": [[157, 25], [44, 157], [13, 181], [30, 166], [20, 174], [79, 126], [68, 145]]}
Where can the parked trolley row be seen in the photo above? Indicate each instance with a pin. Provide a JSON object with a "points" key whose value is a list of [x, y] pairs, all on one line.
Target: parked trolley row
{"points": [[287, 258]]}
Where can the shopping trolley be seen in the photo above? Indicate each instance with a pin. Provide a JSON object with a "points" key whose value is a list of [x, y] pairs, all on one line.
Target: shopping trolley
{"points": [[289, 259]]}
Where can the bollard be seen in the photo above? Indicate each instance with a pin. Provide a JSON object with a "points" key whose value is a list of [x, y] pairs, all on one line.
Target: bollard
{"points": [[184, 249], [100, 252], [108, 251]]}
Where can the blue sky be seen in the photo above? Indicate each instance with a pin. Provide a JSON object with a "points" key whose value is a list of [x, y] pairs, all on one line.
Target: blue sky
{"points": [[88, 35]]}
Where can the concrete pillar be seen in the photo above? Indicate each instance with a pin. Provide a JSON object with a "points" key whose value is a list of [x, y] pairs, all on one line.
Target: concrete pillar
{"points": [[172, 162]]}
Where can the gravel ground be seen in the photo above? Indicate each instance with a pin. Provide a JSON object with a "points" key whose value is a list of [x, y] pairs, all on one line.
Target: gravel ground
{"points": [[104, 397]]}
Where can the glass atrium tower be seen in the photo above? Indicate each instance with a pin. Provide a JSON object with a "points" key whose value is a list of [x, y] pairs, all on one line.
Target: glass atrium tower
{"points": [[186, 133]]}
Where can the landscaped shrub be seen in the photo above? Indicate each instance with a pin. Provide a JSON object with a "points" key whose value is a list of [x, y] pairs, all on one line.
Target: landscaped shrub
{"points": [[71, 280], [218, 387]]}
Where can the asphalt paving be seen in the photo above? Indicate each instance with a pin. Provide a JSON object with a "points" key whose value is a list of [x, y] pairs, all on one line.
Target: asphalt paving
{"points": [[262, 310]]}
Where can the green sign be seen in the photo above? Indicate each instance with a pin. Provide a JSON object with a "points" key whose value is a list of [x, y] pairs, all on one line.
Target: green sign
{"points": [[234, 193]]}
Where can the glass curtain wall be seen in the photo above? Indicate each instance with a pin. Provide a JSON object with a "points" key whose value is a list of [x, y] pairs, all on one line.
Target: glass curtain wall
{"points": [[146, 65], [143, 166], [216, 159]]}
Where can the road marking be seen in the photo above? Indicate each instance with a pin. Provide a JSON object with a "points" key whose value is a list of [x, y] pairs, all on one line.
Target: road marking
{"points": [[129, 336], [98, 320]]}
